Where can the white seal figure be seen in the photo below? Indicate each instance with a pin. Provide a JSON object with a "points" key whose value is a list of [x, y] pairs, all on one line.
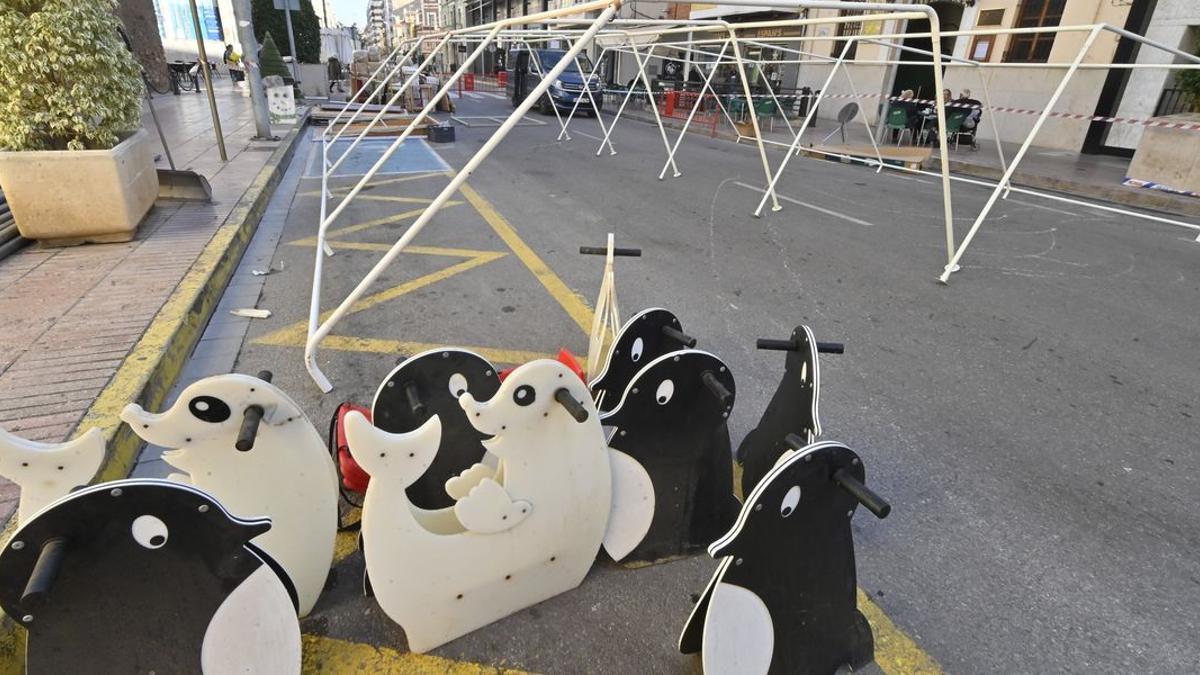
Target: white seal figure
{"points": [[288, 476], [47, 471], [518, 534]]}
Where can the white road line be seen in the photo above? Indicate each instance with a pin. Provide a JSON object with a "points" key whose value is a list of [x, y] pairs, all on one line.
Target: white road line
{"points": [[493, 95], [471, 95], [893, 174], [814, 207], [587, 135], [1044, 208]]}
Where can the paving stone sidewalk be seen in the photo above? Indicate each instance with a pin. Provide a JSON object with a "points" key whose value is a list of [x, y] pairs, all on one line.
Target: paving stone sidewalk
{"points": [[73, 314]]}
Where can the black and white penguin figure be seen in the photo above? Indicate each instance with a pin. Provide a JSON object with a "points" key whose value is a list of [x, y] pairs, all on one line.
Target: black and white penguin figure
{"points": [[430, 384], [792, 410], [142, 576], [672, 420], [783, 598], [646, 336]]}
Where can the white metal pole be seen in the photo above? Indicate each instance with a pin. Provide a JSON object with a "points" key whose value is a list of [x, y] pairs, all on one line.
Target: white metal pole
{"points": [[315, 338], [795, 146], [537, 63], [616, 118], [762, 149], [374, 92], [987, 101], [1037, 125], [695, 106], [862, 115], [653, 104], [379, 115]]}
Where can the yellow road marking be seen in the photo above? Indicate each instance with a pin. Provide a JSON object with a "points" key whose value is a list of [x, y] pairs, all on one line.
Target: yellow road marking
{"points": [[296, 334], [331, 656], [423, 250], [570, 301], [346, 542], [389, 181], [351, 229], [895, 652]]}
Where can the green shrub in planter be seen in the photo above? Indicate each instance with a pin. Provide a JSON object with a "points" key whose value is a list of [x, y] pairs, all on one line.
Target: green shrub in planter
{"points": [[67, 82]]}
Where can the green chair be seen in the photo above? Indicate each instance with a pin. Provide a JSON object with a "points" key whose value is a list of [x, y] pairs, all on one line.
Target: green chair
{"points": [[766, 108], [954, 122], [737, 107], [897, 120]]}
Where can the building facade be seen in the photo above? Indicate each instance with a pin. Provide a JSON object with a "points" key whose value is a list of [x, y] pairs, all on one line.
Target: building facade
{"points": [[1018, 80]]}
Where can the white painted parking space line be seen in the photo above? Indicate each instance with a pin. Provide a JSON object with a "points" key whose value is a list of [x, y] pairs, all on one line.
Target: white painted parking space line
{"points": [[587, 135], [1044, 208], [493, 95], [814, 207]]}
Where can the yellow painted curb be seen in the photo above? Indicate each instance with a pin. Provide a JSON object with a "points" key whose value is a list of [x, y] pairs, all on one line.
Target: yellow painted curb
{"points": [[340, 657], [150, 369]]}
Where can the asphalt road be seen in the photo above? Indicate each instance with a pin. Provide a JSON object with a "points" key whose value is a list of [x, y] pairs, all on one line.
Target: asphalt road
{"points": [[1034, 423]]}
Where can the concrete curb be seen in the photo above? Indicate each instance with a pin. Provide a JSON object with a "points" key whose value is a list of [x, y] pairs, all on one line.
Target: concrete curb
{"points": [[155, 362], [1114, 194]]}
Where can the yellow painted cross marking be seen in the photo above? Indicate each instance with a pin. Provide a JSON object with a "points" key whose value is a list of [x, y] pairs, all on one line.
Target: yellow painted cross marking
{"points": [[330, 656], [895, 652]]}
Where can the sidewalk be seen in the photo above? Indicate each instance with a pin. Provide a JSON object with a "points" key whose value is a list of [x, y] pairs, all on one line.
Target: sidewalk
{"points": [[74, 314], [1095, 177]]}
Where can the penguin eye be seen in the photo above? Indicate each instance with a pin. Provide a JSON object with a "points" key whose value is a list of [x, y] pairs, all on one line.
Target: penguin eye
{"points": [[666, 389], [209, 409], [524, 395], [790, 500], [149, 531], [458, 385], [635, 352]]}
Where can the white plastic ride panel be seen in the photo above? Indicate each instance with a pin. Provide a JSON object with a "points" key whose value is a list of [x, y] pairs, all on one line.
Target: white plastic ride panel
{"points": [[440, 580], [633, 505], [288, 476], [739, 637], [47, 471], [255, 630]]}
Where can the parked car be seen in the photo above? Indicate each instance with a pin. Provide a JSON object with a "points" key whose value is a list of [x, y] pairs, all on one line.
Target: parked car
{"points": [[523, 76]]}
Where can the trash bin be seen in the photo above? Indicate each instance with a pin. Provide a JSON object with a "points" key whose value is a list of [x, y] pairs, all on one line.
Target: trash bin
{"points": [[469, 81]]}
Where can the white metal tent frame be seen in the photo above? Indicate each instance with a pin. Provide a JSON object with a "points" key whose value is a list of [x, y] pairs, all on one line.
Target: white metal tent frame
{"points": [[626, 40]]}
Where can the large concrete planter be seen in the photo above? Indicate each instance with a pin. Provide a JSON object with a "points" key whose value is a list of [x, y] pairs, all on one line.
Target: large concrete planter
{"points": [[68, 197]]}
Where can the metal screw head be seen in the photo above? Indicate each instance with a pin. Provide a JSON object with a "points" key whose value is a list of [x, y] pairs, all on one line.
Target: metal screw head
{"points": [[18, 545], [635, 390], [854, 461], [27, 618], [808, 458], [487, 373], [758, 507], [116, 492], [622, 432], [850, 513], [445, 355], [725, 414], [676, 359], [390, 384], [203, 508], [722, 369], [738, 561]]}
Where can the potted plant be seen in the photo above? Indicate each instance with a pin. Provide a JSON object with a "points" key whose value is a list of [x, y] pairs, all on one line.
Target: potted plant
{"points": [[75, 164]]}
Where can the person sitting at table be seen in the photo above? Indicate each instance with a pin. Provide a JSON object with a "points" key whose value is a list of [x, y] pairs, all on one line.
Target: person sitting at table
{"points": [[911, 110], [971, 124]]}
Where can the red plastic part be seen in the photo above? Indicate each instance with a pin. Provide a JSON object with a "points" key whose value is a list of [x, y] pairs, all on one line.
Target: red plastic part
{"points": [[353, 476]]}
